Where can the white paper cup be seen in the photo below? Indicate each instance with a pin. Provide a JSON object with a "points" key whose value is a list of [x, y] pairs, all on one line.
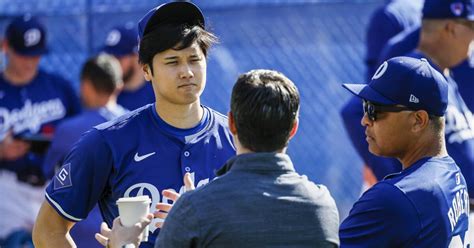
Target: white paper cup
{"points": [[132, 210]]}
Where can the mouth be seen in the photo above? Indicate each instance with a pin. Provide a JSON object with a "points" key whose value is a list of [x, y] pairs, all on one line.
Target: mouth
{"points": [[189, 85], [368, 137]]}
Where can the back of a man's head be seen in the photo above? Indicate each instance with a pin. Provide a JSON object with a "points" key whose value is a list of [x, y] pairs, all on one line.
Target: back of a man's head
{"points": [[103, 73], [264, 106]]}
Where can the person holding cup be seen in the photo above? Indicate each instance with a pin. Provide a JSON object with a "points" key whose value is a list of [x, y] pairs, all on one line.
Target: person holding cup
{"points": [[150, 149]]}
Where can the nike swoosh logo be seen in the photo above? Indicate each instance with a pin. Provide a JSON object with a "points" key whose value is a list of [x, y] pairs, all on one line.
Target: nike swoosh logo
{"points": [[139, 158]]}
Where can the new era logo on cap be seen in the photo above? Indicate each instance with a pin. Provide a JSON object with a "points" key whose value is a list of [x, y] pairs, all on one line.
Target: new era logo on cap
{"points": [[414, 99], [406, 81]]}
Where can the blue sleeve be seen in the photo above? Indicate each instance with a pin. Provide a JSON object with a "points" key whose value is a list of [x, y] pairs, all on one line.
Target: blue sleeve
{"points": [[83, 178], [382, 217], [352, 114], [382, 26], [181, 228]]}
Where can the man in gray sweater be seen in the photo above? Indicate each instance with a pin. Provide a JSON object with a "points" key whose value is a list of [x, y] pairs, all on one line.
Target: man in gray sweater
{"points": [[257, 200]]}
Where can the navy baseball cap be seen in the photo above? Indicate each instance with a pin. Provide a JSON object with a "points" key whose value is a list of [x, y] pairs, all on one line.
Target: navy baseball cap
{"points": [[410, 82], [27, 36], [171, 13], [121, 41], [448, 9]]}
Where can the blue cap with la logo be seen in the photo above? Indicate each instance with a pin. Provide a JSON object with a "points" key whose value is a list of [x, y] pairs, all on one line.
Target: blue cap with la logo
{"points": [[406, 81], [27, 36]]}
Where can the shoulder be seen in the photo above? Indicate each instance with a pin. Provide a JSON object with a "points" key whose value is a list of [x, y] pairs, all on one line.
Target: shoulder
{"points": [[53, 79], [126, 121], [218, 117], [386, 199]]}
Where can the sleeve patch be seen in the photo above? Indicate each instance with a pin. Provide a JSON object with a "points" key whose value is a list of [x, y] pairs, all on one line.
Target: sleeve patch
{"points": [[63, 177]]}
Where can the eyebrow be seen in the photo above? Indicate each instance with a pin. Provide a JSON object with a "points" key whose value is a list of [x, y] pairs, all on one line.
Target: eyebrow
{"points": [[171, 58]]}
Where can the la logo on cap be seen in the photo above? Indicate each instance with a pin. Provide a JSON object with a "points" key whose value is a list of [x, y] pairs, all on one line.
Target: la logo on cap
{"points": [[380, 71], [32, 37]]}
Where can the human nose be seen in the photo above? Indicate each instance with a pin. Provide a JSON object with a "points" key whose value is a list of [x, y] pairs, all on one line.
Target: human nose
{"points": [[365, 121], [186, 71]]}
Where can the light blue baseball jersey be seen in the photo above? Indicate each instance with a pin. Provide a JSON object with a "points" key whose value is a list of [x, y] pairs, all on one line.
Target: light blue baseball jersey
{"points": [[425, 205], [138, 154]]}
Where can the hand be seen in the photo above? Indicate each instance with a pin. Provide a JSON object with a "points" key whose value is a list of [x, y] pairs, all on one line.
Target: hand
{"points": [[120, 235], [164, 208], [13, 149]]}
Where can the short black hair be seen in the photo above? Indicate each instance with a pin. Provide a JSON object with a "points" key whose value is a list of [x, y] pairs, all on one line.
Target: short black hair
{"points": [[176, 37], [264, 105], [104, 73]]}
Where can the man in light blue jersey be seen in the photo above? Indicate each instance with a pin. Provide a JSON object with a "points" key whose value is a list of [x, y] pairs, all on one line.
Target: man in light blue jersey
{"points": [[426, 204], [122, 43], [150, 149]]}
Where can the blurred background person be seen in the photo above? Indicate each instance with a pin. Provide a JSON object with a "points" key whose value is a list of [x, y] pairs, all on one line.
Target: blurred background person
{"points": [[32, 104], [387, 21], [101, 82], [122, 42]]}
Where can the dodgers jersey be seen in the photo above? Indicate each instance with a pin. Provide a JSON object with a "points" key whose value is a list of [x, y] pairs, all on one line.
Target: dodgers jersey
{"points": [[459, 133], [142, 96], [34, 108], [137, 154], [425, 205]]}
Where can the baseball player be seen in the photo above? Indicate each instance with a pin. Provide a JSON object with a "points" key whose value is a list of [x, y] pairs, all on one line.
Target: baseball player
{"points": [[427, 203], [387, 21], [122, 43], [32, 103], [149, 149], [460, 121]]}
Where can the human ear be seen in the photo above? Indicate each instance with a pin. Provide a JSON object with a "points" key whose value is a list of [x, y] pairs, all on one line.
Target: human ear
{"points": [[147, 72], [421, 120]]}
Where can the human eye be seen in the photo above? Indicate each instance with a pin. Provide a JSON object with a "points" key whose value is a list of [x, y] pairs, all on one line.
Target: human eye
{"points": [[172, 62]]}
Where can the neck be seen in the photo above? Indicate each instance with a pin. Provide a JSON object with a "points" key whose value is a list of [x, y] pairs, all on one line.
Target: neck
{"points": [[444, 55], [434, 147], [180, 116], [16, 78]]}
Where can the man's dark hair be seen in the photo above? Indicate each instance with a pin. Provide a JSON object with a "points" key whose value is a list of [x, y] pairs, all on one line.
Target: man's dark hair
{"points": [[173, 37], [265, 106], [104, 73]]}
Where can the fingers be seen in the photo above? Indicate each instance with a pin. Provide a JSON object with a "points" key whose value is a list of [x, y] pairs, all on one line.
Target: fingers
{"points": [[159, 224], [105, 230], [101, 239], [160, 215], [188, 182], [164, 207], [170, 194], [116, 222]]}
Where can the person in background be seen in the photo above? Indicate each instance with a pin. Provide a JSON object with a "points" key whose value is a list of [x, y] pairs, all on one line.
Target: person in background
{"points": [[122, 42], [32, 103], [101, 82], [387, 21]]}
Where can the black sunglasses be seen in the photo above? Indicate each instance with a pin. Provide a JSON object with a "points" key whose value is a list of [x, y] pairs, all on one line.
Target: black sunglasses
{"points": [[372, 109]]}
